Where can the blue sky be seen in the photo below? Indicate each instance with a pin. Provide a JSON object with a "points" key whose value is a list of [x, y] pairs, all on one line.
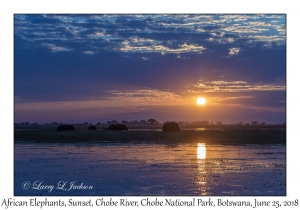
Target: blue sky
{"points": [[77, 68]]}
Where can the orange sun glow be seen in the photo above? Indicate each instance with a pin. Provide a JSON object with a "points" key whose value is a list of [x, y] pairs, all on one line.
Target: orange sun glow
{"points": [[201, 101]]}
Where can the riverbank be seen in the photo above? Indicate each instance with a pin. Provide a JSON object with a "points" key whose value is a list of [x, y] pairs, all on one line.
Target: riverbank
{"points": [[185, 136]]}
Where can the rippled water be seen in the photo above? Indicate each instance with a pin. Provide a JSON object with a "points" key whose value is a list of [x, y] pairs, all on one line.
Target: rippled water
{"points": [[149, 169]]}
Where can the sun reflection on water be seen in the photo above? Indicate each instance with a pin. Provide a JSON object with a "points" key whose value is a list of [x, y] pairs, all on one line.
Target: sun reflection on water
{"points": [[201, 182], [201, 151]]}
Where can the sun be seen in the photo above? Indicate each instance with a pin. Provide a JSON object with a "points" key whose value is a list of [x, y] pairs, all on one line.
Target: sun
{"points": [[201, 101]]}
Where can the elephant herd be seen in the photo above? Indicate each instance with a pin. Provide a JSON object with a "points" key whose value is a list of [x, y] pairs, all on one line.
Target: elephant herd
{"points": [[119, 127], [167, 127]]}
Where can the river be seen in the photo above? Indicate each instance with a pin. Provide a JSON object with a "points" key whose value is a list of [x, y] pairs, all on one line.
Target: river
{"points": [[124, 169]]}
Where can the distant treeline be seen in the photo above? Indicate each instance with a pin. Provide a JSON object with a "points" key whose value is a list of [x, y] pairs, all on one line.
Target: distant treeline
{"points": [[155, 122], [156, 126]]}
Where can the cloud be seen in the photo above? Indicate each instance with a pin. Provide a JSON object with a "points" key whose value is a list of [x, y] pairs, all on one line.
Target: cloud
{"points": [[159, 48], [19, 99], [145, 96], [217, 99], [113, 98], [89, 52], [281, 29], [234, 51], [234, 86], [144, 31], [226, 82], [261, 108], [261, 38], [105, 36], [222, 40], [55, 48]]}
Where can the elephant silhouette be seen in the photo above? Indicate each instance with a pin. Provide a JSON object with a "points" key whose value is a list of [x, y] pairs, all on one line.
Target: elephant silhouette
{"points": [[92, 128], [171, 127], [118, 127], [65, 128]]}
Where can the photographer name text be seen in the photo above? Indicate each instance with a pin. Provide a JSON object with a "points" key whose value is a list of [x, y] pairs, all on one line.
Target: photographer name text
{"points": [[61, 185]]}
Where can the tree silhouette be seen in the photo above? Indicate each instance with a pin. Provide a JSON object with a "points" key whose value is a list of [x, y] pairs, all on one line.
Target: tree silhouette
{"points": [[152, 121]]}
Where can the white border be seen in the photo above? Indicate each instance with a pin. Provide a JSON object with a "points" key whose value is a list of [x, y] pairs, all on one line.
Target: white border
{"points": [[8, 8]]}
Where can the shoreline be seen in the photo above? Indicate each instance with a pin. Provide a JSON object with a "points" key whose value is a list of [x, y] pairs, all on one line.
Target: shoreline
{"points": [[184, 136]]}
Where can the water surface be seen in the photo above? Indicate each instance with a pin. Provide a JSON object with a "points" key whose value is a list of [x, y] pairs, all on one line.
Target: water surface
{"points": [[149, 169]]}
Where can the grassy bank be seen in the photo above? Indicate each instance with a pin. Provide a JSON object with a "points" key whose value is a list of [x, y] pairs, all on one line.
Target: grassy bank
{"points": [[208, 136]]}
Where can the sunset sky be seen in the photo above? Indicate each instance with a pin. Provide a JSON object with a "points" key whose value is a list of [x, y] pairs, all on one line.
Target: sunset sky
{"points": [[78, 68]]}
